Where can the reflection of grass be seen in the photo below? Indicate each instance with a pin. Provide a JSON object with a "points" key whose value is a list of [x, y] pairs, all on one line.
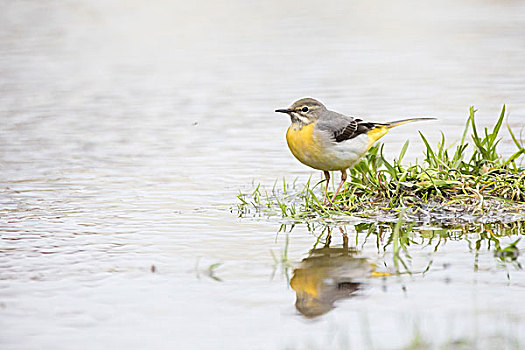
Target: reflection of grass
{"points": [[499, 341], [282, 262], [401, 249], [400, 238], [418, 342], [509, 253], [417, 338], [488, 235], [210, 271], [449, 179]]}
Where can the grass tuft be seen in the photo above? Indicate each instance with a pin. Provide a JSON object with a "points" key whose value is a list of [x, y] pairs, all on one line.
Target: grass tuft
{"points": [[468, 180]]}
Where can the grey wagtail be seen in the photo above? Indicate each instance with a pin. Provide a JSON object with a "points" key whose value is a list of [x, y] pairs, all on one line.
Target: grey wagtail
{"points": [[328, 141]]}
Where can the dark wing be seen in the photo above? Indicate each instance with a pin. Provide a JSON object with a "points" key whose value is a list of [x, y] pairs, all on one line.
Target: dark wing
{"points": [[353, 129]]}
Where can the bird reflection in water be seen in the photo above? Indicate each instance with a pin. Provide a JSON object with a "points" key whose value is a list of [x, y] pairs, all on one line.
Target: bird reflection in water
{"points": [[327, 275]]}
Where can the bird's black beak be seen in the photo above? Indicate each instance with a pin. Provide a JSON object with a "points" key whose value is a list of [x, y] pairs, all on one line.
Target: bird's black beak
{"points": [[287, 111]]}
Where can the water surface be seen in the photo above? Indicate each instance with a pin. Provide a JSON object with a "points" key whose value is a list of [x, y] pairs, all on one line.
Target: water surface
{"points": [[128, 128]]}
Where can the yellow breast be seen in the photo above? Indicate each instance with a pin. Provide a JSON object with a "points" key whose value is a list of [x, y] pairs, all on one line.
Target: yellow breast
{"points": [[307, 282], [303, 144], [306, 144]]}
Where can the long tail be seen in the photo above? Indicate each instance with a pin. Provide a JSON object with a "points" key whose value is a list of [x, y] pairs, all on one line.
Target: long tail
{"points": [[380, 129], [395, 123]]}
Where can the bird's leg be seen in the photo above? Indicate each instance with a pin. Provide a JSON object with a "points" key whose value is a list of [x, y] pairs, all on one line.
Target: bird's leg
{"points": [[343, 179], [345, 239], [327, 177], [328, 238], [345, 243]]}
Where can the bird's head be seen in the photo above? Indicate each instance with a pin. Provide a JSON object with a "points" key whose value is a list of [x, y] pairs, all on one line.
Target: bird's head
{"points": [[304, 111]]}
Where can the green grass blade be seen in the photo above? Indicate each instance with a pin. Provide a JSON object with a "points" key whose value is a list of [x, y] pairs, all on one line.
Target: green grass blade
{"points": [[403, 151], [497, 127]]}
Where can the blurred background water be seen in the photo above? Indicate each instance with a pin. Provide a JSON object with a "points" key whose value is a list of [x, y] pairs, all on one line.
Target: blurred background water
{"points": [[127, 128]]}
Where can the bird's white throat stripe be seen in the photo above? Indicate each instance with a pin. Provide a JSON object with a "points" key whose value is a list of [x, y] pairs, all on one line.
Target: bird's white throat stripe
{"points": [[300, 118]]}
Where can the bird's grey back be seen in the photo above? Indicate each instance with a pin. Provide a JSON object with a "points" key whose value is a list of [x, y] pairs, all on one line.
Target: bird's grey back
{"points": [[333, 121]]}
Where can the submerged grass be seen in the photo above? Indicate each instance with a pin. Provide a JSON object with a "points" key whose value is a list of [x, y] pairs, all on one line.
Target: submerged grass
{"points": [[466, 180]]}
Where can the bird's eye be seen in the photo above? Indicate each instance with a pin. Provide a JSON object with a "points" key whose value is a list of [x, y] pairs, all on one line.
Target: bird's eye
{"points": [[305, 109]]}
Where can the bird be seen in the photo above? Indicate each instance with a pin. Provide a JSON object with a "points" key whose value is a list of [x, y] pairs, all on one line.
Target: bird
{"points": [[329, 274], [326, 276], [329, 141]]}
